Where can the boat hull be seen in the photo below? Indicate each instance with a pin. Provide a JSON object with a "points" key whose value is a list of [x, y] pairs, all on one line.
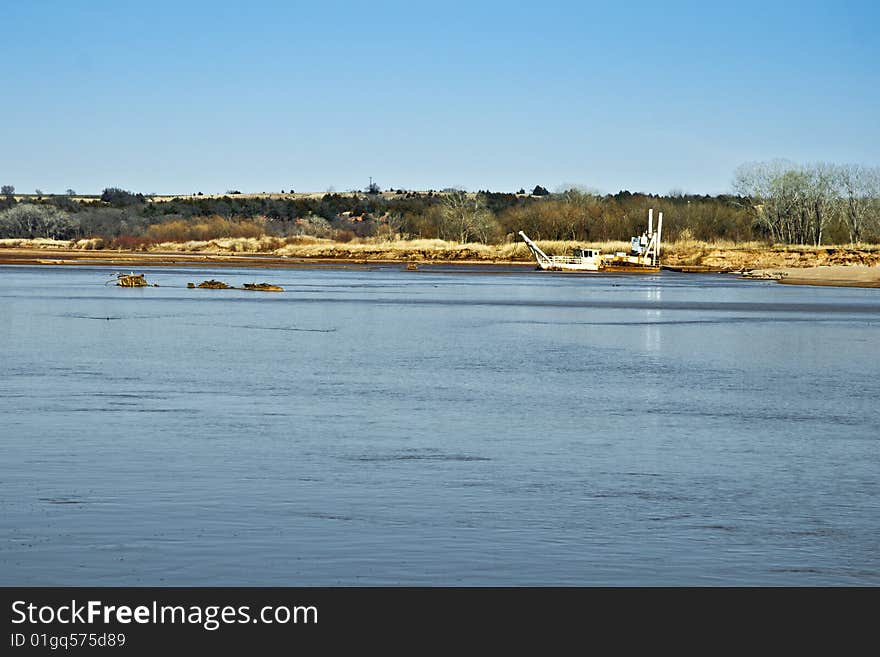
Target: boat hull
{"points": [[630, 269], [568, 267], [610, 269]]}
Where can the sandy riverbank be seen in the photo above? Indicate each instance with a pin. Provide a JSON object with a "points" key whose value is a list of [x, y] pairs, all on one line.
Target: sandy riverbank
{"points": [[834, 275], [134, 259], [803, 265]]}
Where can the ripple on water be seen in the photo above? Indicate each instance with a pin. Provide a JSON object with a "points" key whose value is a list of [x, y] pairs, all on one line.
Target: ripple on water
{"points": [[413, 455]]}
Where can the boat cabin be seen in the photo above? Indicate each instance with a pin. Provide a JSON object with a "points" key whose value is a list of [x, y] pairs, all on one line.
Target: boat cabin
{"points": [[639, 245]]}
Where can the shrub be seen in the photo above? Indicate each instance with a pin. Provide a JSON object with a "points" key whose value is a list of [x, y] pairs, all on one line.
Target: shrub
{"points": [[131, 243], [212, 228]]}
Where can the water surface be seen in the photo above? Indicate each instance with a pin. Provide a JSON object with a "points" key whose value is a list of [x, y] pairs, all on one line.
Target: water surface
{"points": [[377, 426]]}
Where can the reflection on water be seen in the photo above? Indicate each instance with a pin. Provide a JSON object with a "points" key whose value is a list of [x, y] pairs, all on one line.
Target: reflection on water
{"points": [[376, 426]]}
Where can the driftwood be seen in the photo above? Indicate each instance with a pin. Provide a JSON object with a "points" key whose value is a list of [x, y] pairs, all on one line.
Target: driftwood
{"points": [[131, 280], [220, 285], [211, 285], [262, 287]]}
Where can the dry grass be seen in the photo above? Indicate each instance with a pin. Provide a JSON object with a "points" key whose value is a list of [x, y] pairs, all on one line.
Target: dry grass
{"points": [[37, 243], [757, 255], [92, 244], [263, 244], [720, 256], [392, 250]]}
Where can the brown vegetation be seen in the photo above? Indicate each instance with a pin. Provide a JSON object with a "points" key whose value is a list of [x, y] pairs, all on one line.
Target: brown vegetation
{"points": [[212, 228], [696, 254]]}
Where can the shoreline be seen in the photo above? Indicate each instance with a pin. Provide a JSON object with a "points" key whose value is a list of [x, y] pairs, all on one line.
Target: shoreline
{"points": [[840, 275], [826, 276], [189, 259]]}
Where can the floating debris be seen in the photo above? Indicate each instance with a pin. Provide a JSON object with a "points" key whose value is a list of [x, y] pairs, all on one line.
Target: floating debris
{"points": [[132, 280], [411, 266], [210, 285], [220, 285], [262, 287]]}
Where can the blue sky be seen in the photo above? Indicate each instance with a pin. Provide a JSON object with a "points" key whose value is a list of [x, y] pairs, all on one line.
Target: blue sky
{"points": [[178, 97]]}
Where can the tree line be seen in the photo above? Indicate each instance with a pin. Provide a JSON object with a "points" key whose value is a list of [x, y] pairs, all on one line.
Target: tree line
{"points": [[772, 202], [798, 204]]}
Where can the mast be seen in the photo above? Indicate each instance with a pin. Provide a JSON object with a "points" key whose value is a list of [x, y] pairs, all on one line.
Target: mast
{"points": [[659, 230]]}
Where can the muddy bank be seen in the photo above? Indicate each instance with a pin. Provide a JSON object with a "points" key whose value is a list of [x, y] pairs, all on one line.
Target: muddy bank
{"points": [[835, 275], [788, 264], [736, 259], [129, 259]]}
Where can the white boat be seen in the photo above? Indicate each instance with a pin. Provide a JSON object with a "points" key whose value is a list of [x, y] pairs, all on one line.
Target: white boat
{"points": [[579, 260], [644, 255]]}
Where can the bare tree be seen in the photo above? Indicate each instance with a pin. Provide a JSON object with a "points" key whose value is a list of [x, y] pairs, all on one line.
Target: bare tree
{"points": [[466, 218], [29, 220], [7, 190], [872, 191], [794, 203], [754, 182], [859, 190], [822, 198], [577, 211]]}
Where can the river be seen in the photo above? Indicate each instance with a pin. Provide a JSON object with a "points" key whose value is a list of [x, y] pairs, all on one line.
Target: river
{"points": [[450, 426]]}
